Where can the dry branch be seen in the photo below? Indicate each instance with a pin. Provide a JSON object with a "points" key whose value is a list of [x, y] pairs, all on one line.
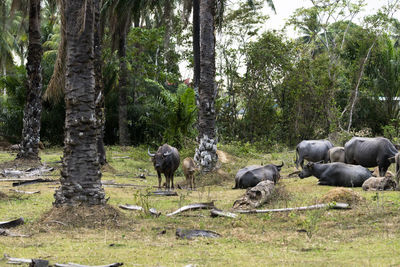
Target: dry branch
{"points": [[152, 211], [216, 213], [208, 205], [5, 232], [79, 265], [25, 192], [164, 193], [312, 207], [33, 181]]}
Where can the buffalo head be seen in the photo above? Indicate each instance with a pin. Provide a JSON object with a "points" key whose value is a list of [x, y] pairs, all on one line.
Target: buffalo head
{"points": [[307, 170]]}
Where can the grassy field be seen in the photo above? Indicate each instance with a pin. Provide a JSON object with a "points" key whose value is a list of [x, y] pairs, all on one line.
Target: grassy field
{"points": [[368, 234]]}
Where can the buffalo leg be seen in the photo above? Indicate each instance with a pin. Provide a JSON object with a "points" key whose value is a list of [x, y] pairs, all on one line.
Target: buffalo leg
{"points": [[192, 183], [159, 180], [172, 181], [167, 181]]}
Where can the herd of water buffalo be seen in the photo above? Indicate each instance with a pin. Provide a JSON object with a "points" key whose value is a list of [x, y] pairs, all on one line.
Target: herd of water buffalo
{"points": [[335, 166]]}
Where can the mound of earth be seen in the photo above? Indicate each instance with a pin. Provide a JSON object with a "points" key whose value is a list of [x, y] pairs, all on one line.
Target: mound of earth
{"points": [[341, 194], [84, 216]]}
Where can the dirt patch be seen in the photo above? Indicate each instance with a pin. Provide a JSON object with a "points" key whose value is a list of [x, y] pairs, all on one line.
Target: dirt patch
{"points": [[84, 216], [223, 156], [217, 177], [341, 194], [20, 164]]}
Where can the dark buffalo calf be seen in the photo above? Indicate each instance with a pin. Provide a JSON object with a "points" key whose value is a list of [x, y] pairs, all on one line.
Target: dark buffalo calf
{"points": [[336, 174]]}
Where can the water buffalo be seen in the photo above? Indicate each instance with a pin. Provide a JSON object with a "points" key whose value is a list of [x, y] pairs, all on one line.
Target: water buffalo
{"points": [[336, 154], [336, 174], [166, 160], [370, 152], [251, 175], [189, 168], [312, 150]]}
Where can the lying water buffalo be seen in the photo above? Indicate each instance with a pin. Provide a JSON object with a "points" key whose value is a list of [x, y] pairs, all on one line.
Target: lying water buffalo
{"points": [[336, 174], [166, 160], [336, 154], [370, 152], [312, 150], [189, 168], [251, 175]]}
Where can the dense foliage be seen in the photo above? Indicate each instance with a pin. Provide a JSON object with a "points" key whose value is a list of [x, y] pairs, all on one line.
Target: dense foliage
{"points": [[339, 78]]}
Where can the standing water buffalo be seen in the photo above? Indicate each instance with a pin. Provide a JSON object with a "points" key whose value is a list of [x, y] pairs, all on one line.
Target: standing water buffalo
{"points": [[336, 174], [166, 160], [251, 175], [336, 154], [370, 152], [189, 168], [312, 150]]}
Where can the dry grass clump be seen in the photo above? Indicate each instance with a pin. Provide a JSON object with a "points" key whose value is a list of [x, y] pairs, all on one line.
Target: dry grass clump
{"points": [[84, 216], [341, 194], [3, 195], [217, 177]]}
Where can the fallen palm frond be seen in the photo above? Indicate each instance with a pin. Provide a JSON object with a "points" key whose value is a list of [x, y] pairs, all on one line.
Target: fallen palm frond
{"points": [[208, 205]]}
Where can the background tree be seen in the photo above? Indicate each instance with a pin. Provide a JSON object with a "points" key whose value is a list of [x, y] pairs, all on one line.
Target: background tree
{"points": [[29, 148]]}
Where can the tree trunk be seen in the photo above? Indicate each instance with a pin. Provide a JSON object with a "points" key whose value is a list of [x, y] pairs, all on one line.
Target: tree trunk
{"points": [[81, 175], [33, 107], [196, 44], [123, 108], [255, 196], [99, 87], [206, 154]]}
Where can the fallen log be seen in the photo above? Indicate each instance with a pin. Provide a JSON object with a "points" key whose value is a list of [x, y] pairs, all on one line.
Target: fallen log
{"points": [[79, 265], [190, 234], [5, 232], [152, 211], [255, 196], [208, 205], [164, 193], [216, 213], [33, 181], [12, 223], [312, 207], [25, 192]]}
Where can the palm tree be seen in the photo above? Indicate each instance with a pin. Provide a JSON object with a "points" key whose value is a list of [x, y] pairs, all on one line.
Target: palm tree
{"points": [[206, 154], [80, 181], [29, 148]]}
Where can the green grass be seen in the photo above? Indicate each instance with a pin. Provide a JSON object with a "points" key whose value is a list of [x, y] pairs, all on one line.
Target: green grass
{"points": [[366, 235]]}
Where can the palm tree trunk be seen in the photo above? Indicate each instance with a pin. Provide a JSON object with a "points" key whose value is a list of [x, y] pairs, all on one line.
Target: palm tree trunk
{"points": [[196, 44], [81, 175], [99, 87], [123, 109], [206, 154], [33, 107]]}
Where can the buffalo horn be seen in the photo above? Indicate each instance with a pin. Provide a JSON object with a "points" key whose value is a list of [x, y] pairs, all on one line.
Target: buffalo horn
{"points": [[148, 152], [167, 153]]}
